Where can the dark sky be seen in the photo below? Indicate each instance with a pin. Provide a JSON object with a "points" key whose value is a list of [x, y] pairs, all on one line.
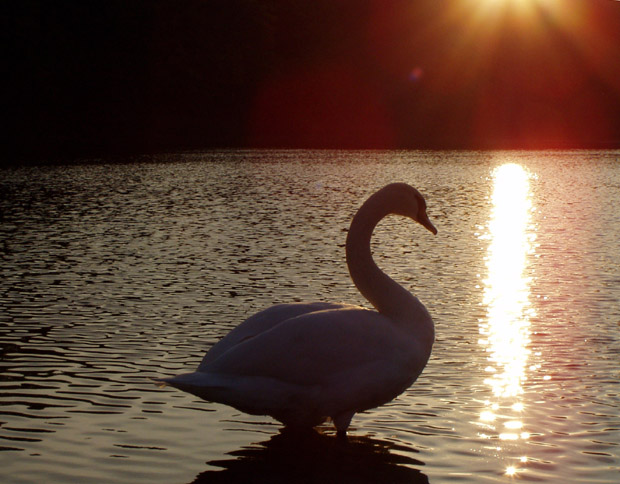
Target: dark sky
{"points": [[131, 76]]}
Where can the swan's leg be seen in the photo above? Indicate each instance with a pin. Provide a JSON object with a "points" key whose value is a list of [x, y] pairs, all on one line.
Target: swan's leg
{"points": [[342, 421]]}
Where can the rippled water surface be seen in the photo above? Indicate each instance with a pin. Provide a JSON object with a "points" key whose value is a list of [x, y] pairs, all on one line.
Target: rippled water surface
{"points": [[113, 274]]}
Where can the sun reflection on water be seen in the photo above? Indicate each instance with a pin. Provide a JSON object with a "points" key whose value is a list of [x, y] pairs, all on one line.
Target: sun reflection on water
{"points": [[505, 333]]}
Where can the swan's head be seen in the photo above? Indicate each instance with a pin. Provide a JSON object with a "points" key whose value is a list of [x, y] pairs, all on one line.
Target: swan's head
{"points": [[409, 202]]}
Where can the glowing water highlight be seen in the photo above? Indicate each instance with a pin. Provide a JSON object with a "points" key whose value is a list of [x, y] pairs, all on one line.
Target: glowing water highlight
{"points": [[505, 333]]}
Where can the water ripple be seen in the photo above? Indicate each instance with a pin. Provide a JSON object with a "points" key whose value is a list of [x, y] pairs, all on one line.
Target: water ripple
{"points": [[113, 275]]}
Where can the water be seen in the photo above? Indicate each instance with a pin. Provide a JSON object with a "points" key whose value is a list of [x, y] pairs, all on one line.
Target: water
{"points": [[113, 274]]}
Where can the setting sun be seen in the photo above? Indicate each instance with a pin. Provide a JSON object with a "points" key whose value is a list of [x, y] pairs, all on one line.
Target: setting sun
{"points": [[527, 65], [517, 6], [522, 4]]}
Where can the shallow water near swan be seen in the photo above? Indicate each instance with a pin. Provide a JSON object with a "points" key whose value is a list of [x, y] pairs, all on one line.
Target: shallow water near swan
{"points": [[116, 273]]}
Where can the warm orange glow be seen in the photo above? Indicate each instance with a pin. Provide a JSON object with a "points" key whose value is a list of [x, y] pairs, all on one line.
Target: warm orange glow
{"points": [[527, 9], [527, 57], [320, 105], [519, 6]]}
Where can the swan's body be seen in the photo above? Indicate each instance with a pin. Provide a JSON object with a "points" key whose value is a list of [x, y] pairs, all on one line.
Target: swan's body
{"points": [[302, 363]]}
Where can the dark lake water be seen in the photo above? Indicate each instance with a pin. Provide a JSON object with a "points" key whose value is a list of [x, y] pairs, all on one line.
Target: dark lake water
{"points": [[114, 274]]}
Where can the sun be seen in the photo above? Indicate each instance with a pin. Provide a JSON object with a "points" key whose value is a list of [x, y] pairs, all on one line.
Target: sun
{"points": [[511, 7]]}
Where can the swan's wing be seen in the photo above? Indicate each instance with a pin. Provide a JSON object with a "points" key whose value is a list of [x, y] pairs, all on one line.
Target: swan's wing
{"points": [[263, 321], [318, 364], [321, 348]]}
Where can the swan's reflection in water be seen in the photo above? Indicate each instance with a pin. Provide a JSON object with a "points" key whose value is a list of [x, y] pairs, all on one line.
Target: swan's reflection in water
{"points": [[505, 333], [314, 457]]}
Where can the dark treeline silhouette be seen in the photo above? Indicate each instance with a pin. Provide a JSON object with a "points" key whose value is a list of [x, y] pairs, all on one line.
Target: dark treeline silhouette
{"points": [[116, 76], [112, 76]]}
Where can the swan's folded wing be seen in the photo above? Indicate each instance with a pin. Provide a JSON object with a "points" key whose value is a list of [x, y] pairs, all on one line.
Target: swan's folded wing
{"points": [[261, 322], [319, 347]]}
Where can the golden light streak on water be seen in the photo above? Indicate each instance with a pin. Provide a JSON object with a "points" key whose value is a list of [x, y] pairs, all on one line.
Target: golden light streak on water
{"points": [[505, 333]]}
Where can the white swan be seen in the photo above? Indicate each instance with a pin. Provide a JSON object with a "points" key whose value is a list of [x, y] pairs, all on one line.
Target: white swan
{"points": [[302, 363]]}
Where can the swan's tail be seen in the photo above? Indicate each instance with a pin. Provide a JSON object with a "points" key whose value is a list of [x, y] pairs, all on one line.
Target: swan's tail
{"points": [[203, 385], [253, 395]]}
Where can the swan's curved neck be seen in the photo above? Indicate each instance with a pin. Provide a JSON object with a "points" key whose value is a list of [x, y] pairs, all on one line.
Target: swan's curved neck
{"points": [[385, 294]]}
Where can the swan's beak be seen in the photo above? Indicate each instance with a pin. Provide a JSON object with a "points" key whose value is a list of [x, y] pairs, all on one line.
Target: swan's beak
{"points": [[424, 220]]}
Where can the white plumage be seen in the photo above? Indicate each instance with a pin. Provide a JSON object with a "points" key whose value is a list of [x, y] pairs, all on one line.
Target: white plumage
{"points": [[302, 363]]}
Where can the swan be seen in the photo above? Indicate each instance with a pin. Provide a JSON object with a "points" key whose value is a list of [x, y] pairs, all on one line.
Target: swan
{"points": [[303, 363]]}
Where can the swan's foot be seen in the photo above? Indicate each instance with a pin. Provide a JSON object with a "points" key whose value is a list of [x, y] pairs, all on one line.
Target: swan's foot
{"points": [[342, 421]]}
